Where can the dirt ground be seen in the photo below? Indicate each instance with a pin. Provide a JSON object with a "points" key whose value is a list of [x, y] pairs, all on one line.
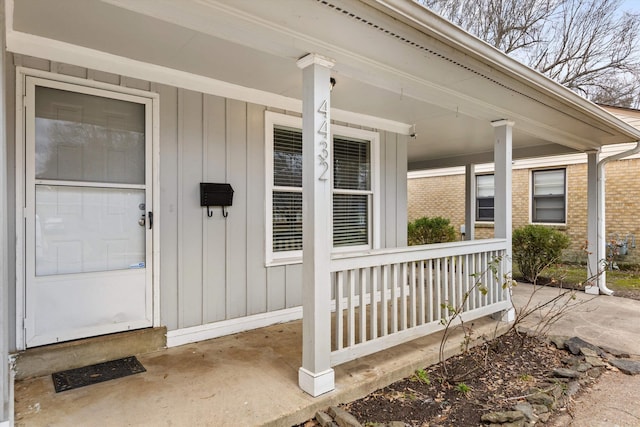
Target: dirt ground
{"points": [[492, 376]]}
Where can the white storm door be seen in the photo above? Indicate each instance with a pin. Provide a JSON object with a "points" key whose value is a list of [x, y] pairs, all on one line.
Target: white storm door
{"points": [[88, 212]]}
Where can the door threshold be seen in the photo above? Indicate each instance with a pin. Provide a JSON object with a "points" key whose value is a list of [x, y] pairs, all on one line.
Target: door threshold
{"points": [[45, 360]]}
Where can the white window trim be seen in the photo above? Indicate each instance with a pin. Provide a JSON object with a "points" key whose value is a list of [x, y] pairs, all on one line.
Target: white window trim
{"points": [[295, 257], [566, 197]]}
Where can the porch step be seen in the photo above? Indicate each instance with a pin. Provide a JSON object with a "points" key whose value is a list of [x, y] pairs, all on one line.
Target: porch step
{"points": [[45, 360]]}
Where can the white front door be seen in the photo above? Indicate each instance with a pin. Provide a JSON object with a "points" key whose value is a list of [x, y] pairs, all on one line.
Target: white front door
{"points": [[88, 212]]}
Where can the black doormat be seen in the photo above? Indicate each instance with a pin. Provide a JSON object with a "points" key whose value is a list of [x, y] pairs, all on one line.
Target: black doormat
{"points": [[93, 374]]}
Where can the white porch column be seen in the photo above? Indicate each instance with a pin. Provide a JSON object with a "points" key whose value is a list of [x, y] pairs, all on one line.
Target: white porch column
{"points": [[469, 202], [502, 155], [316, 376], [594, 256]]}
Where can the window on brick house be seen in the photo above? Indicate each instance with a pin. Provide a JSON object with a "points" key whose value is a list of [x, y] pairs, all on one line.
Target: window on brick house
{"points": [[548, 204], [485, 191]]}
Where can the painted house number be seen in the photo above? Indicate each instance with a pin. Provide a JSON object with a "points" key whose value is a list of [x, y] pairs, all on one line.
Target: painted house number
{"points": [[324, 152]]}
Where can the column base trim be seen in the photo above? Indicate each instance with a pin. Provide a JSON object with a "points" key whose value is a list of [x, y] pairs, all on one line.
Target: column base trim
{"points": [[507, 316], [592, 290], [316, 384]]}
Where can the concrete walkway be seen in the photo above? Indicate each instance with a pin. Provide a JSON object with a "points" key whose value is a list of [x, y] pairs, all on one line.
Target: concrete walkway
{"points": [[251, 378], [602, 320]]}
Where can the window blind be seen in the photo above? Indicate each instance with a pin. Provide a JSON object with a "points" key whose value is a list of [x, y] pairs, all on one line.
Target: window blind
{"points": [[485, 192], [548, 196], [287, 221], [287, 157], [350, 219], [351, 167], [352, 175]]}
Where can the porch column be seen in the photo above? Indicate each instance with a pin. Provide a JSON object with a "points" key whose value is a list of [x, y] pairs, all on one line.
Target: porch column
{"points": [[316, 376], [502, 156], [469, 202], [593, 247]]}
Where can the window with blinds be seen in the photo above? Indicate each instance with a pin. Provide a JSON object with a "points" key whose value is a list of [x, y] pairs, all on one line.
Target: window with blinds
{"points": [[548, 196], [287, 189], [352, 194], [485, 192]]}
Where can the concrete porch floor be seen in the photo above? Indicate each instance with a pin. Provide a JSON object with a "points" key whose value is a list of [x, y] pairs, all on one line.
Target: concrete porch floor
{"points": [[250, 378]]}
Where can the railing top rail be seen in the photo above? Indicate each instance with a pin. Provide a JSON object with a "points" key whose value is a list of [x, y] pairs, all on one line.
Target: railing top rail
{"points": [[348, 261]]}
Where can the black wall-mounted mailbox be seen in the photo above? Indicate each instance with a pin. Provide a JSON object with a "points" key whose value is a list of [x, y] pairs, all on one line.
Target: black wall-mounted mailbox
{"points": [[212, 194]]}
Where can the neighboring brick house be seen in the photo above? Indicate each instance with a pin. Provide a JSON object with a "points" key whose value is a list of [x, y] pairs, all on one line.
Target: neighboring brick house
{"points": [[440, 192]]}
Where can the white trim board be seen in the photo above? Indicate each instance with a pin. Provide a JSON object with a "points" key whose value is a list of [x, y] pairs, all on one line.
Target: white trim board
{"points": [[55, 50], [532, 163], [227, 327]]}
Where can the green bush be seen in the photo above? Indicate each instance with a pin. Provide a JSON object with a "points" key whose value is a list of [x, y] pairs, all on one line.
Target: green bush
{"points": [[425, 230], [536, 247]]}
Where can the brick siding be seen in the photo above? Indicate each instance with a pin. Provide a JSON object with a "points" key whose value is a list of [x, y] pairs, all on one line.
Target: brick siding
{"points": [[444, 196]]}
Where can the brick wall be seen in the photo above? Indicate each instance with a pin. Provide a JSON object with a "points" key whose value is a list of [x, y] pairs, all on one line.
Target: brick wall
{"points": [[444, 196]]}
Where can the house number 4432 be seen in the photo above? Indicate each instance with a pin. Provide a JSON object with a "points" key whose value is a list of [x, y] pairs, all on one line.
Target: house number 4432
{"points": [[324, 152]]}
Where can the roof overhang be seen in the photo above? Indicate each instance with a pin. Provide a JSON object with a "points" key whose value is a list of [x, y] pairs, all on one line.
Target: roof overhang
{"points": [[398, 65]]}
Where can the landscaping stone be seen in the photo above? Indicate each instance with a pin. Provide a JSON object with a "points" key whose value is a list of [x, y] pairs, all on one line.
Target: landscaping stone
{"points": [[586, 351], [343, 418], [566, 373], [558, 341], [544, 417], [574, 345], [540, 409], [562, 421], [554, 389], [616, 352], [583, 367], [324, 419], [629, 367], [572, 388], [572, 360], [540, 398], [502, 417], [594, 361], [595, 372], [527, 410], [396, 424]]}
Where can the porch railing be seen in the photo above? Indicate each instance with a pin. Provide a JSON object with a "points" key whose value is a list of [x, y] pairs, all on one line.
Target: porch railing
{"points": [[386, 297]]}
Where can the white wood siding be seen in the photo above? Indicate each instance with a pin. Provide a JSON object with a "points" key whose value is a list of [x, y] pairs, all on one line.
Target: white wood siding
{"points": [[213, 269]]}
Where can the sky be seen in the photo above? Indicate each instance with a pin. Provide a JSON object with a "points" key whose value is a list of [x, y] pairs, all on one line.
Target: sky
{"points": [[631, 5]]}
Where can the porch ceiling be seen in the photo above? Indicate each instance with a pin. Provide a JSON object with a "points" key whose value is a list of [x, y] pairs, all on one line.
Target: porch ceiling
{"points": [[394, 60]]}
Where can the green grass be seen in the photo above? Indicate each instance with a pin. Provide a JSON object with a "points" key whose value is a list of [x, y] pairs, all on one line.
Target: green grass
{"points": [[573, 274]]}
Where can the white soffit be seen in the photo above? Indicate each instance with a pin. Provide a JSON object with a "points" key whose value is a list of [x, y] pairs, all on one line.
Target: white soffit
{"points": [[276, 32], [411, 73], [63, 52]]}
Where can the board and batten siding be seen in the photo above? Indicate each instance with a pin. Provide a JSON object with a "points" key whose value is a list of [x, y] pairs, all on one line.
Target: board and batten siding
{"points": [[213, 269]]}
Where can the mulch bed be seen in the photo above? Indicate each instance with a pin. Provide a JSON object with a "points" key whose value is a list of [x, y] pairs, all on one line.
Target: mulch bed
{"points": [[489, 377], [493, 376]]}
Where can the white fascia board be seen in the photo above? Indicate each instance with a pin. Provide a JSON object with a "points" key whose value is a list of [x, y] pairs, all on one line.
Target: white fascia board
{"points": [[533, 163], [456, 170], [58, 51], [451, 34]]}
